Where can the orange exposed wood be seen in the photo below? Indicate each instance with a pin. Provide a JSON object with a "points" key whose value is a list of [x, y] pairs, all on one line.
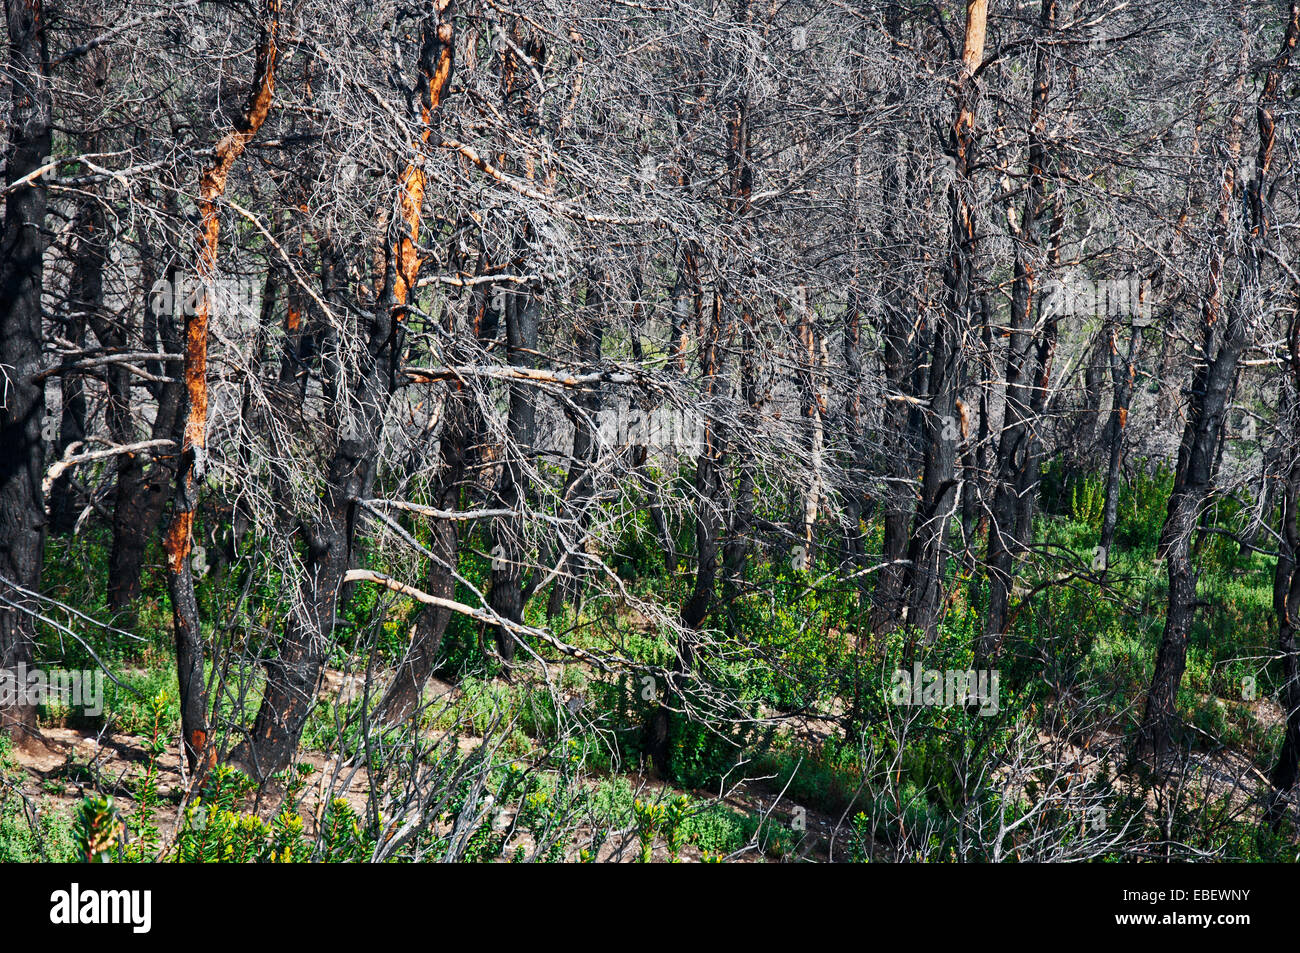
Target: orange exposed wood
{"points": [[176, 541], [178, 536], [972, 54], [413, 179], [212, 185], [1267, 123]]}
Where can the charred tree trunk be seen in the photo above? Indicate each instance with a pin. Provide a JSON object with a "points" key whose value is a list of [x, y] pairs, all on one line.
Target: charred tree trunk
{"points": [[740, 519], [975, 446], [402, 698], [509, 548], [579, 482], [523, 318], [142, 492], [898, 328], [1016, 458], [462, 427], [1286, 605], [740, 186], [855, 504], [179, 536], [708, 526], [1123, 374], [119, 414], [887, 600], [928, 551], [292, 678], [812, 407], [85, 294], [1225, 338], [22, 250], [1286, 580]]}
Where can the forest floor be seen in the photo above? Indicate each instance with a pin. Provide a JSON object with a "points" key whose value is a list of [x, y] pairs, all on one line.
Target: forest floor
{"points": [[73, 763]]}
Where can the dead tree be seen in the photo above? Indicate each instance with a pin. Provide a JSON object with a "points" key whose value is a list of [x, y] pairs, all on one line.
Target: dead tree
{"points": [[928, 550], [178, 538], [1225, 335], [293, 676], [22, 249], [1016, 462]]}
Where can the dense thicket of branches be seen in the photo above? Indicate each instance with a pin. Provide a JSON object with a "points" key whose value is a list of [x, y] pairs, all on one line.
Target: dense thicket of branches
{"points": [[439, 312]]}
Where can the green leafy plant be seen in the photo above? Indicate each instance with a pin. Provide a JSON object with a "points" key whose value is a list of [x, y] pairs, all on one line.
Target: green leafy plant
{"points": [[650, 818], [99, 829]]}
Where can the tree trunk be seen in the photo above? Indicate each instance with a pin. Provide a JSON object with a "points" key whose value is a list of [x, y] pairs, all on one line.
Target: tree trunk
{"points": [[1286, 605], [898, 324], [658, 741], [1224, 339], [84, 295], [178, 538], [462, 427], [22, 452], [142, 493], [1015, 453], [1286, 580], [928, 551], [293, 677], [579, 481], [1123, 373], [402, 698], [509, 547]]}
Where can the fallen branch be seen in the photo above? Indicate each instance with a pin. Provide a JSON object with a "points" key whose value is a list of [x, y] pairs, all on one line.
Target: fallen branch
{"points": [[605, 664], [71, 459]]}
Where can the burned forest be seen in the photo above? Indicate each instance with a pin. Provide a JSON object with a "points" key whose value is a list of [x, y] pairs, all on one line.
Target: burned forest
{"points": [[650, 431]]}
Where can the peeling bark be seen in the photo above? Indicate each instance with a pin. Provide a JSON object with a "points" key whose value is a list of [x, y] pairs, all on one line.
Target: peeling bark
{"points": [[293, 677], [178, 537]]}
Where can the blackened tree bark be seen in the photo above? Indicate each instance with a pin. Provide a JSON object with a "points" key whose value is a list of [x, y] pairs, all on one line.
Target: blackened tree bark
{"points": [[142, 485], [119, 416], [1286, 601], [178, 538], [402, 697], [652, 492], [293, 676], [85, 294], [898, 327], [708, 523], [1123, 374], [579, 481], [1039, 396], [975, 447], [737, 201], [22, 248], [1224, 339], [1015, 456], [1286, 579], [455, 446], [523, 322], [855, 460], [509, 549], [812, 410], [928, 549]]}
